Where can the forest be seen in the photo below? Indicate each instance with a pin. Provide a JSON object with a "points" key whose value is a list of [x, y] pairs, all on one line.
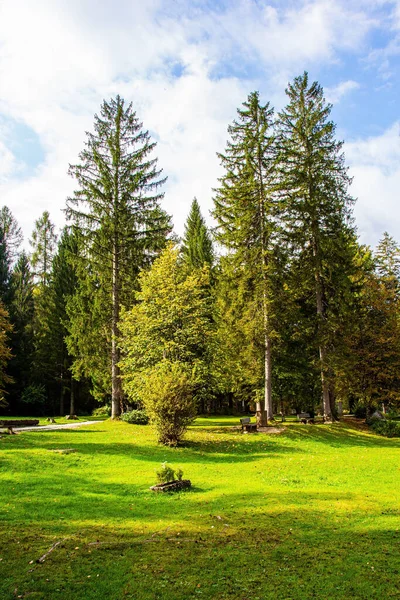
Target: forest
{"points": [[276, 308]]}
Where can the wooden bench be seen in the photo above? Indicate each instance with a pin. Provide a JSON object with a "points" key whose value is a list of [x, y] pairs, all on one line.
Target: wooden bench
{"points": [[18, 423], [247, 426]]}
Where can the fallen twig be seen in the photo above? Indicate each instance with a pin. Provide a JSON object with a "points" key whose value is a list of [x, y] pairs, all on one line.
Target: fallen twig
{"points": [[49, 551]]}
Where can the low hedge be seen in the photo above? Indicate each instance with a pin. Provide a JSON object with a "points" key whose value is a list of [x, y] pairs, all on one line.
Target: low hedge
{"points": [[135, 417]]}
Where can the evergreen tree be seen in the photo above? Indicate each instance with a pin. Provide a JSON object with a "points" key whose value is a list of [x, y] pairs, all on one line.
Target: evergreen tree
{"points": [[197, 247], [314, 190], [116, 210], [388, 259], [5, 352], [5, 274], [62, 288], [12, 233], [43, 242], [22, 315], [246, 216]]}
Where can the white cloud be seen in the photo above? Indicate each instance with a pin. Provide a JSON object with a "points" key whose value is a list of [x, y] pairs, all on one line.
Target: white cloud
{"points": [[375, 166], [335, 94], [59, 59]]}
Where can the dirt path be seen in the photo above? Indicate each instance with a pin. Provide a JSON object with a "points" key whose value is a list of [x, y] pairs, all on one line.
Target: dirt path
{"points": [[55, 427]]}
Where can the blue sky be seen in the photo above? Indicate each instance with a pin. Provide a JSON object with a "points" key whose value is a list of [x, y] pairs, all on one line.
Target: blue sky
{"points": [[187, 66]]}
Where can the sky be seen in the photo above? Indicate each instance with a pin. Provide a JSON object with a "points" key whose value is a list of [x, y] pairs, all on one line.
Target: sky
{"points": [[187, 66]]}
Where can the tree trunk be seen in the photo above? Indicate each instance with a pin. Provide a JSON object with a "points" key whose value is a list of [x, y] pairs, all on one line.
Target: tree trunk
{"points": [[62, 394], [326, 405], [116, 388], [269, 414], [72, 399]]}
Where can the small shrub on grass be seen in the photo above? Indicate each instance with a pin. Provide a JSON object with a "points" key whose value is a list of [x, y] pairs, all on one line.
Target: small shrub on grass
{"points": [[167, 394], [135, 417], [386, 427], [102, 411], [167, 474]]}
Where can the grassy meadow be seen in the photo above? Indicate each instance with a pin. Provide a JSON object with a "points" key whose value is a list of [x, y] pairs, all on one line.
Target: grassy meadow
{"points": [[311, 512]]}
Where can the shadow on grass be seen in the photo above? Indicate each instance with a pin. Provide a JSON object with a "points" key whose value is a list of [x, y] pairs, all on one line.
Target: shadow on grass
{"points": [[266, 546]]}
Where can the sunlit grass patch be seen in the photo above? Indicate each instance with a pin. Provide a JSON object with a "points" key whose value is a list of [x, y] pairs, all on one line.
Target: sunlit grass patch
{"points": [[311, 512]]}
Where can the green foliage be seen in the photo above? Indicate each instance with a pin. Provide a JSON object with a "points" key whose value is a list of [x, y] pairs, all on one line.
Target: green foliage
{"points": [[170, 322], [102, 411], [245, 210], [167, 395], [386, 427], [122, 227], [360, 409], [34, 395], [5, 352], [197, 247], [165, 474], [135, 417], [43, 242]]}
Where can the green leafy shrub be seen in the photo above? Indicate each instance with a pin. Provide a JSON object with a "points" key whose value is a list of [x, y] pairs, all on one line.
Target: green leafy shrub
{"points": [[135, 417], [167, 394], [360, 409], [34, 394], [102, 411], [386, 427], [165, 474]]}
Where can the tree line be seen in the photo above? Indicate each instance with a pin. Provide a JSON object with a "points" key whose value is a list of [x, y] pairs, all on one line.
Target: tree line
{"points": [[277, 308]]}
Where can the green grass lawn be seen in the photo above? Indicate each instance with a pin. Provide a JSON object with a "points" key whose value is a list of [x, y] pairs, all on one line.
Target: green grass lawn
{"points": [[313, 512]]}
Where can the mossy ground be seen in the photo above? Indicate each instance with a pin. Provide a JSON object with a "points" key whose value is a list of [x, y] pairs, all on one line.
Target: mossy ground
{"points": [[312, 512]]}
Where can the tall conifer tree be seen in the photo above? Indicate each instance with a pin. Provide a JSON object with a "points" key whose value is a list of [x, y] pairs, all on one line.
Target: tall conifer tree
{"points": [[245, 214], [314, 189], [116, 210], [197, 247]]}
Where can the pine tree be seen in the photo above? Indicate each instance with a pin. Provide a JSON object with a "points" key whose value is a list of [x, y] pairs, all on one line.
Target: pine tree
{"points": [[197, 247], [122, 226], [246, 215], [43, 242], [314, 189]]}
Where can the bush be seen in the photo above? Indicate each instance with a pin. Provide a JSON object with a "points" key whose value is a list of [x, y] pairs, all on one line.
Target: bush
{"points": [[34, 394], [360, 410], [167, 474], [167, 394], [135, 417], [102, 411], [386, 427]]}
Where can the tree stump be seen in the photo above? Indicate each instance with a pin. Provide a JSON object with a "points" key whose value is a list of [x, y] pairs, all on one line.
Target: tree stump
{"points": [[172, 486]]}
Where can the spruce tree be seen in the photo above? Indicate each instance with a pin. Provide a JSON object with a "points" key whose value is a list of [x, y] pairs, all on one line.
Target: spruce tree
{"points": [[116, 210], [388, 259], [245, 214], [43, 242], [197, 247], [5, 352], [314, 192], [12, 233], [22, 316]]}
